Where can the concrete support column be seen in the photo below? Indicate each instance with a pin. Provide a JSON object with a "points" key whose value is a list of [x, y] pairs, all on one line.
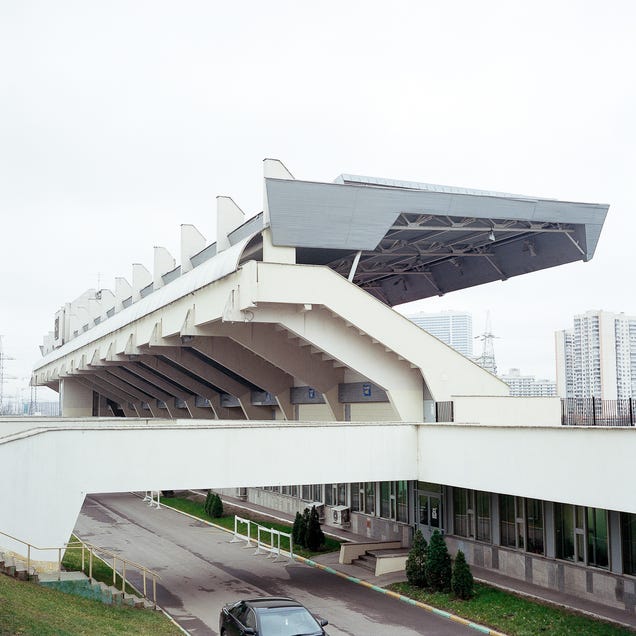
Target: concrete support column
{"points": [[76, 399]]}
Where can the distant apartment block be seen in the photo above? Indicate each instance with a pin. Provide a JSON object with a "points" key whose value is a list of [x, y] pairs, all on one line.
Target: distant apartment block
{"points": [[597, 357], [455, 328], [528, 385]]}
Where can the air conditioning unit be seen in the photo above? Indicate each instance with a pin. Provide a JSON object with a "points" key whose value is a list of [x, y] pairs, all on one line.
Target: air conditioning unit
{"points": [[320, 509], [341, 516]]}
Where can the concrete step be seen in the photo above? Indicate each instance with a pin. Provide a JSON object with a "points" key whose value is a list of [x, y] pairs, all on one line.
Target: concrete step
{"points": [[365, 561]]}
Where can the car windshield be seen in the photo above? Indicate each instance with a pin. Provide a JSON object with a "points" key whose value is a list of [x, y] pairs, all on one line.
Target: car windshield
{"points": [[287, 621]]}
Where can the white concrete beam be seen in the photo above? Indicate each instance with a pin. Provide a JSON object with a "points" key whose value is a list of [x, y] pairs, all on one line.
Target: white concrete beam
{"points": [[163, 263], [192, 242], [228, 217]]}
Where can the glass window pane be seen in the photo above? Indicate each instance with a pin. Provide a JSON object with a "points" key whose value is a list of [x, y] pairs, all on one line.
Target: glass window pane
{"points": [[423, 509], [564, 531], [355, 496], [342, 494], [385, 499], [460, 512], [597, 551], [482, 503], [628, 537], [534, 525], [402, 501], [369, 497], [507, 525], [329, 495], [436, 512], [429, 487]]}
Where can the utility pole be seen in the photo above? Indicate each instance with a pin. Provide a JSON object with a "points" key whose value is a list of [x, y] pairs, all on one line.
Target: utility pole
{"points": [[3, 377], [487, 358]]}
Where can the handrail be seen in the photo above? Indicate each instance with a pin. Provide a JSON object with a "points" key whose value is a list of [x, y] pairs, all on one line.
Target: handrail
{"points": [[94, 550]]}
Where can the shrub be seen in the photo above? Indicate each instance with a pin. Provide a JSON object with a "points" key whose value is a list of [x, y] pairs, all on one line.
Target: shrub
{"points": [[216, 507], [462, 579], [207, 507], [314, 537], [416, 561], [299, 529], [438, 564]]}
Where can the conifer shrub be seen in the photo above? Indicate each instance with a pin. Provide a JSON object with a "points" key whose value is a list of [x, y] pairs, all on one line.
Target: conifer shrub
{"points": [[462, 579], [416, 561], [314, 537], [207, 506], [438, 564], [299, 529], [216, 507]]}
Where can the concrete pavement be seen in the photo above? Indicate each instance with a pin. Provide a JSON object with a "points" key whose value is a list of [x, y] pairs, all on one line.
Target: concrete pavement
{"points": [[201, 571]]}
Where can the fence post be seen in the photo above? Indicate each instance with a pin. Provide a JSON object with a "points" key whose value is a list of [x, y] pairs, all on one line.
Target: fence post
{"points": [[593, 411], [631, 413]]}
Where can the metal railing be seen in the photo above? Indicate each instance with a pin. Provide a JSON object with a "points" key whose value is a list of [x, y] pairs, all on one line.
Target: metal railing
{"points": [[99, 553], [273, 546], [597, 412]]}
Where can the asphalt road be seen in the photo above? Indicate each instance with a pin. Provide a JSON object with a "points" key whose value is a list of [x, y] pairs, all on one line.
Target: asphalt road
{"points": [[201, 571]]}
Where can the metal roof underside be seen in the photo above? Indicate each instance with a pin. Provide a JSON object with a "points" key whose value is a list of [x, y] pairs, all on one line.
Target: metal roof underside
{"points": [[421, 240]]}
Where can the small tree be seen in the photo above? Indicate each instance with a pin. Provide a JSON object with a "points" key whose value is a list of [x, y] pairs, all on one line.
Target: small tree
{"points": [[314, 537], [207, 507], [416, 561], [216, 507], [438, 564], [299, 530], [462, 578]]}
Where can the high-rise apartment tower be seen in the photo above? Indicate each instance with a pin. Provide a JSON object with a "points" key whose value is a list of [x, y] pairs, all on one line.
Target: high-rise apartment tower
{"points": [[597, 357]]}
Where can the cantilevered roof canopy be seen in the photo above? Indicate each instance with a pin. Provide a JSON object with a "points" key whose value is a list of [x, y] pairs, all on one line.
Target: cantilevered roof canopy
{"points": [[418, 240]]}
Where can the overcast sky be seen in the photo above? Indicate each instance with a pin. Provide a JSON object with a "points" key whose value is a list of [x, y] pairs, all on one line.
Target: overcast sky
{"points": [[119, 121]]}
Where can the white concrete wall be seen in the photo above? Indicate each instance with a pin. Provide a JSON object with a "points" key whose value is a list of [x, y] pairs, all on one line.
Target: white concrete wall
{"points": [[47, 471], [507, 411], [587, 466]]}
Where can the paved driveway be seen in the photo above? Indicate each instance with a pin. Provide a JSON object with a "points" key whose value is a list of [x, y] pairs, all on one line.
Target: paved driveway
{"points": [[201, 571]]}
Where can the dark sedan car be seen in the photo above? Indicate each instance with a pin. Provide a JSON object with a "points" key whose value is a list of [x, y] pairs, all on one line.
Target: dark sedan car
{"points": [[269, 616]]}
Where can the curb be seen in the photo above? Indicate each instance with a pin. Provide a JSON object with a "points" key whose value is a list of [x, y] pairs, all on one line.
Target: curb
{"points": [[405, 599], [375, 588]]}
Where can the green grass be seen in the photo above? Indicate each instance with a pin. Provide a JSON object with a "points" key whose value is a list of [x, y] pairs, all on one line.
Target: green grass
{"points": [[102, 572], [32, 610], [512, 614], [195, 509]]}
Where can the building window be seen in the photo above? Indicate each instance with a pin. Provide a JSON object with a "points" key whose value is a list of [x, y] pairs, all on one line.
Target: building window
{"points": [[461, 511], [402, 501], [369, 497], [429, 504], [387, 499], [393, 500], [312, 492], [511, 521], [357, 496], [482, 504], [597, 551], [336, 494], [581, 534], [534, 525], [628, 537]]}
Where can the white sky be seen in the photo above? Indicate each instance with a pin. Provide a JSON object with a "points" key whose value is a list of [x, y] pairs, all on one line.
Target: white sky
{"points": [[120, 120]]}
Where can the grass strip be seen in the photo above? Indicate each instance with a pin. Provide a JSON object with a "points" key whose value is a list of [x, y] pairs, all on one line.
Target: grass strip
{"points": [[102, 572], [512, 614], [196, 509], [33, 610]]}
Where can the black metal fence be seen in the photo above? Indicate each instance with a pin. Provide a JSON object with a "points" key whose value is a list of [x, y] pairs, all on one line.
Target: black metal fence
{"points": [[597, 412]]}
